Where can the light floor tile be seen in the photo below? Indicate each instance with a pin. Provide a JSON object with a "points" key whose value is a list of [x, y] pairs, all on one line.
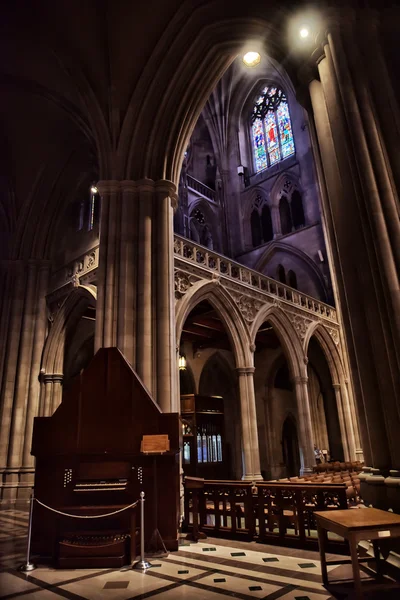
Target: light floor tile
{"points": [[54, 576], [139, 583], [237, 584], [286, 580], [186, 592], [256, 558], [173, 569], [11, 584], [301, 594]]}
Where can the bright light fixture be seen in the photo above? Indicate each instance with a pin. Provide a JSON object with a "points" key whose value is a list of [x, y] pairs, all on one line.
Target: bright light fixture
{"points": [[182, 362], [251, 59], [304, 31], [94, 189]]}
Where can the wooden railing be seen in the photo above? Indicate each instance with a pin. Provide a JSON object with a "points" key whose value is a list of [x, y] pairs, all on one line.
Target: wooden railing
{"points": [[269, 512]]}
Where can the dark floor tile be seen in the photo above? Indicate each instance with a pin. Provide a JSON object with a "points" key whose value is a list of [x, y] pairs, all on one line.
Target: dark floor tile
{"points": [[220, 580], [307, 565], [116, 585], [238, 553], [183, 572], [271, 559], [255, 588], [209, 549]]}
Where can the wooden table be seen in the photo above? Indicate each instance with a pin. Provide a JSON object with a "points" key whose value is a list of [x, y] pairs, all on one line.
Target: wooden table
{"points": [[355, 525]]}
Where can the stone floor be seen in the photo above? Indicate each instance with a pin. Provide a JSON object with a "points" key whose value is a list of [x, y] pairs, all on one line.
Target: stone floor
{"points": [[210, 570]]}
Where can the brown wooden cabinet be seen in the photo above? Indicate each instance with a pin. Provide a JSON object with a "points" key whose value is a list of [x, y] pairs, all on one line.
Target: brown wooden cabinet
{"points": [[204, 453]]}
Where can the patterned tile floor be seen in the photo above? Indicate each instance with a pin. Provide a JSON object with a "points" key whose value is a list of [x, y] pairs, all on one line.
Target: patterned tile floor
{"points": [[210, 570]]}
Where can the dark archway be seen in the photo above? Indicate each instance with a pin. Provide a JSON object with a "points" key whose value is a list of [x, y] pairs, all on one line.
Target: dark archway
{"points": [[256, 232], [290, 447], [281, 275], [266, 222], [286, 218], [292, 279], [320, 366], [297, 210]]}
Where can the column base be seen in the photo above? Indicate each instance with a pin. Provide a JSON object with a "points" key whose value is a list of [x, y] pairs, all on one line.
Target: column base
{"points": [[306, 471], [16, 484], [255, 477], [392, 484]]}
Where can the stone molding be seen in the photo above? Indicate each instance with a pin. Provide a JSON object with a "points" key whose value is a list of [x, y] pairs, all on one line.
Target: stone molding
{"points": [[245, 370]]}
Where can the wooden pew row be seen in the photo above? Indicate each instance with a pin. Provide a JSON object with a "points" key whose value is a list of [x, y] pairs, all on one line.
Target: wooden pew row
{"points": [[270, 512]]}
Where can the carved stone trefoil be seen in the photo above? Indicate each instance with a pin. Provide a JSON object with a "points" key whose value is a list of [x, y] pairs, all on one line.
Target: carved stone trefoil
{"points": [[182, 284], [300, 324], [249, 307]]}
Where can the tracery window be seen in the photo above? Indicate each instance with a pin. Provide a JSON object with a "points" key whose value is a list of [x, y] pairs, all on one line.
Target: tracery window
{"points": [[272, 134], [261, 222]]}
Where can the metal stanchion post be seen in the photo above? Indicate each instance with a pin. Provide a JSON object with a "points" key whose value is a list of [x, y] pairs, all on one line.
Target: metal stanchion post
{"points": [[28, 566], [142, 564]]}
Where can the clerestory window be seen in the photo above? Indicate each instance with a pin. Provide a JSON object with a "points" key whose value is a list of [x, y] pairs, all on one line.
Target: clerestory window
{"points": [[271, 128]]}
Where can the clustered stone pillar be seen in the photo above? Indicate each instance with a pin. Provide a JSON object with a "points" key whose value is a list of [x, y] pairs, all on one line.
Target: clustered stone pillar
{"points": [[24, 330], [363, 227], [135, 306], [52, 393], [305, 431], [251, 452]]}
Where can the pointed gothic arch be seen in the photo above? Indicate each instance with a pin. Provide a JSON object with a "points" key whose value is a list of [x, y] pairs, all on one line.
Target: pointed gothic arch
{"points": [[53, 353], [344, 398], [287, 335], [228, 311]]}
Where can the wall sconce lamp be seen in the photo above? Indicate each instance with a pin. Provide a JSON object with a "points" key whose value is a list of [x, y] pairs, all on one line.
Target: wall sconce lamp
{"points": [[182, 362]]}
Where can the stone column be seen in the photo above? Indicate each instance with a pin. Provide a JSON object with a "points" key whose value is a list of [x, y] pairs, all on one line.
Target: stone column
{"points": [[251, 452], [135, 281], [344, 430], [52, 392], [305, 431], [25, 332], [360, 306], [362, 223], [144, 349], [128, 240], [165, 336]]}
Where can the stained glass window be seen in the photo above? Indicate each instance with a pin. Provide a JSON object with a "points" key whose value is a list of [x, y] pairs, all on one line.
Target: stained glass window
{"points": [[260, 153], [91, 216], [272, 134]]}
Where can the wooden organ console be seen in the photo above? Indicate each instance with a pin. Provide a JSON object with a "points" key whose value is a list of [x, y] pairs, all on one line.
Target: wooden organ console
{"points": [[89, 462]]}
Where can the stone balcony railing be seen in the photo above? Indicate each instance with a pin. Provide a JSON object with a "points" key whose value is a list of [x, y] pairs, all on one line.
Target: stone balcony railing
{"points": [[200, 188], [83, 269], [189, 252]]}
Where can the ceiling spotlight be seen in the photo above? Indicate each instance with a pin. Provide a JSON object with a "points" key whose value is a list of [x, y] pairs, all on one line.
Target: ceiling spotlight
{"points": [[94, 189], [251, 59], [304, 31]]}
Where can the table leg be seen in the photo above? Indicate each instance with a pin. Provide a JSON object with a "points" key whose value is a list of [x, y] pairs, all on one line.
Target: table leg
{"points": [[322, 549], [375, 544], [356, 567]]}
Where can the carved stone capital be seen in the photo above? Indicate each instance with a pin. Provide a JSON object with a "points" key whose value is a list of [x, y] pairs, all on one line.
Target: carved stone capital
{"points": [[145, 185], [108, 186], [245, 370], [128, 185], [166, 187], [299, 380], [53, 378]]}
